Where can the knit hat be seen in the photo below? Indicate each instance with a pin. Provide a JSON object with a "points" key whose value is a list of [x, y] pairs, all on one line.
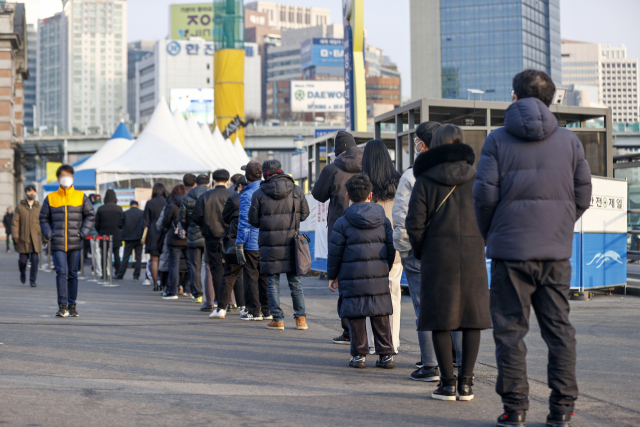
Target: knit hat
{"points": [[344, 140], [271, 167]]}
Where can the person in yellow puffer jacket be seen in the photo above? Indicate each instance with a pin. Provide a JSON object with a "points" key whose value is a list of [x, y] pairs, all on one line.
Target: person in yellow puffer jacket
{"points": [[66, 218]]}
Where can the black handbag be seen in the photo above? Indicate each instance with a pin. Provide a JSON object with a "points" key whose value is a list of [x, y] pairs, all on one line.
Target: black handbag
{"points": [[303, 253]]}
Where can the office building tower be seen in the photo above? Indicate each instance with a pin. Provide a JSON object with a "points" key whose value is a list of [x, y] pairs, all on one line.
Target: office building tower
{"points": [[135, 52], [83, 66], [30, 83], [606, 69], [287, 17], [467, 44]]}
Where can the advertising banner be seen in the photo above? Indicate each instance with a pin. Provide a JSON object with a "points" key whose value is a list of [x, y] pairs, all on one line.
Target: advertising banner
{"points": [[191, 20], [321, 238], [317, 96], [193, 102], [325, 52]]}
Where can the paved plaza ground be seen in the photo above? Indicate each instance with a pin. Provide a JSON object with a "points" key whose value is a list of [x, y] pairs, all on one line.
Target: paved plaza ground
{"points": [[132, 359]]}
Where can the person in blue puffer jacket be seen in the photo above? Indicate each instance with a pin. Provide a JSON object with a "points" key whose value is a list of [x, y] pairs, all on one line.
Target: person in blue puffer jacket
{"points": [[255, 283]]}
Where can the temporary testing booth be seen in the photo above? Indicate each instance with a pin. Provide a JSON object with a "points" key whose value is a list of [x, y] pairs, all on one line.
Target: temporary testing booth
{"points": [[599, 253]]}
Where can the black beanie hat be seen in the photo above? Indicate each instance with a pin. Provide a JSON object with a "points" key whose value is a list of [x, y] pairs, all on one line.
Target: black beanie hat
{"points": [[344, 140], [271, 167]]}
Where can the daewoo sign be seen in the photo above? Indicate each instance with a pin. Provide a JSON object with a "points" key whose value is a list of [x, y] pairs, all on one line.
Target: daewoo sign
{"points": [[317, 96]]}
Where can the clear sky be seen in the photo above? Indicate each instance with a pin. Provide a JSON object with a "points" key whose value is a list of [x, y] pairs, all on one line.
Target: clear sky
{"points": [[387, 23]]}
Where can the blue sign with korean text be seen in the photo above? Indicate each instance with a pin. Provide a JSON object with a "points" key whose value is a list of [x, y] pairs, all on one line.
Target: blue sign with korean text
{"points": [[324, 52], [175, 48], [321, 132]]}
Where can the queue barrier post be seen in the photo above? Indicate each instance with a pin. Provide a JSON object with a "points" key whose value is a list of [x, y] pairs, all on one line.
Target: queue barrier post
{"points": [[104, 260], [110, 246], [92, 242], [40, 263], [81, 265]]}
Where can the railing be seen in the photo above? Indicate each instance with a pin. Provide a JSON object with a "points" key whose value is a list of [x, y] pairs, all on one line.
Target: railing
{"points": [[631, 254]]}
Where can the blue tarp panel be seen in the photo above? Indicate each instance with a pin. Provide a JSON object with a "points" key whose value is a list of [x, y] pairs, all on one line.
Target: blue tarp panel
{"points": [[82, 180]]}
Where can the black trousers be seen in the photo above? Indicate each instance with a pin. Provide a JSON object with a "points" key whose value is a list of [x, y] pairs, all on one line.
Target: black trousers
{"points": [[9, 236], [446, 352], [515, 288], [256, 292], [22, 264], [195, 268], [232, 281], [345, 327], [131, 246], [381, 328], [214, 258]]}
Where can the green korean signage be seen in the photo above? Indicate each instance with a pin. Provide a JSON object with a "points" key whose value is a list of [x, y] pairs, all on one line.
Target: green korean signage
{"points": [[191, 20]]}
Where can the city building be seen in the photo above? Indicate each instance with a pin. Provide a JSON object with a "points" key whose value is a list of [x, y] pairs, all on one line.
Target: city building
{"points": [[286, 17], [463, 45], [13, 71], [181, 71], [135, 52], [82, 63], [606, 72], [35, 10]]}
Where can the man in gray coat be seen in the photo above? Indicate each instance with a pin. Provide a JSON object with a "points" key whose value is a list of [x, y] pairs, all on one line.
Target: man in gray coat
{"points": [[533, 183]]}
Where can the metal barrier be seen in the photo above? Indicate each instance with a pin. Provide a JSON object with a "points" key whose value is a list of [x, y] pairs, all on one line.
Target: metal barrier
{"points": [[92, 243], [106, 256]]}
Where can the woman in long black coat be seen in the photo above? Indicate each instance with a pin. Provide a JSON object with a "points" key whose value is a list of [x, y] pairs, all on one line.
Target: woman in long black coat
{"points": [[454, 291], [151, 235]]}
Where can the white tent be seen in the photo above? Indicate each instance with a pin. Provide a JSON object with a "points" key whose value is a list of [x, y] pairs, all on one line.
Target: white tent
{"points": [[226, 157], [240, 151], [157, 153], [227, 146], [206, 148], [120, 141], [192, 142]]}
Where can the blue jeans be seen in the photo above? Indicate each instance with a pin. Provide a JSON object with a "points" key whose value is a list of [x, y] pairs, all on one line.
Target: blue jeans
{"points": [[273, 283], [427, 353], [66, 275]]}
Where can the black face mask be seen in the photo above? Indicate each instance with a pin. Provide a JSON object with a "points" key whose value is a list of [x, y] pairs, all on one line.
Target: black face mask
{"points": [[31, 196]]}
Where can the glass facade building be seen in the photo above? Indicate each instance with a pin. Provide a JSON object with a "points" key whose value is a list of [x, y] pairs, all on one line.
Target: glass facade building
{"points": [[484, 43]]}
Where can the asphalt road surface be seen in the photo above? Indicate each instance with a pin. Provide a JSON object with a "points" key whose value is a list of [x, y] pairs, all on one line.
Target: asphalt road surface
{"points": [[133, 359]]}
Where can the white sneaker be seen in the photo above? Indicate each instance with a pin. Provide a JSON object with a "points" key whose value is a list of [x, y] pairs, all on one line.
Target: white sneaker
{"points": [[243, 311], [170, 297], [218, 314], [146, 282]]}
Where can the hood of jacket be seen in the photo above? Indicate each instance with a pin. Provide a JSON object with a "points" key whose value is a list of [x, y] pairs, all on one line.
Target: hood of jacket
{"points": [[365, 215], [449, 164], [110, 197], [351, 160], [530, 119], [277, 187], [25, 203]]}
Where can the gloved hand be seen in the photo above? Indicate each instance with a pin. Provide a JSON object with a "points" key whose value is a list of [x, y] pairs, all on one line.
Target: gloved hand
{"points": [[240, 254]]}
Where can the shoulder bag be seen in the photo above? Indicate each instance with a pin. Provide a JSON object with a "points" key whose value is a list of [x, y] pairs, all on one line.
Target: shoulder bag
{"points": [[441, 203]]}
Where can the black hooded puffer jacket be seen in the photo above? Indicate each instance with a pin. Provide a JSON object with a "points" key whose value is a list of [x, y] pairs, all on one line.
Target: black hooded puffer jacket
{"points": [[195, 239], [532, 185], [271, 211], [361, 254], [333, 180], [108, 217]]}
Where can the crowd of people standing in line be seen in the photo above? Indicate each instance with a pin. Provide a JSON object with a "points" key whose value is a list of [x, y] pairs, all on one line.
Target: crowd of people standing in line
{"points": [[531, 184]]}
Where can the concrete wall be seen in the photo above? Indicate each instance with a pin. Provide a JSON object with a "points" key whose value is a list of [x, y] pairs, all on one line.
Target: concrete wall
{"points": [[426, 58]]}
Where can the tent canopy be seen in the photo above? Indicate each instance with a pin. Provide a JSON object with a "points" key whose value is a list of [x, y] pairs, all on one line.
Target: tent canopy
{"points": [[120, 142]]}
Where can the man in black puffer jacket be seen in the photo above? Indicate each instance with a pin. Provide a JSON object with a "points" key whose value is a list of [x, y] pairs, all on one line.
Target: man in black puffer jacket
{"points": [[107, 220], [533, 183], [361, 254], [131, 227], [208, 216], [277, 208], [195, 239], [331, 185]]}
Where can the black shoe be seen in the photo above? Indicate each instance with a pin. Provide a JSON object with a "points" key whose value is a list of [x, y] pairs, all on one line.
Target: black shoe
{"points": [[62, 312], [72, 311], [385, 362], [23, 277], [465, 392], [558, 420], [358, 362], [33, 284], [446, 390], [136, 278], [118, 279], [426, 374], [156, 288], [206, 309], [342, 340], [511, 419]]}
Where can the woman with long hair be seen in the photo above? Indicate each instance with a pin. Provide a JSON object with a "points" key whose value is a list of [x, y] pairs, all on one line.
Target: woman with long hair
{"points": [[444, 235], [177, 246], [378, 166], [151, 235]]}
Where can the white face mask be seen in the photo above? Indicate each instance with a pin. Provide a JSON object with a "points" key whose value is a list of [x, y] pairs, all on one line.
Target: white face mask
{"points": [[66, 181]]}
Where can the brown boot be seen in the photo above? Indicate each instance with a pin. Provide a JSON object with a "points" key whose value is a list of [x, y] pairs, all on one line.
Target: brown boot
{"points": [[275, 325], [301, 323]]}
